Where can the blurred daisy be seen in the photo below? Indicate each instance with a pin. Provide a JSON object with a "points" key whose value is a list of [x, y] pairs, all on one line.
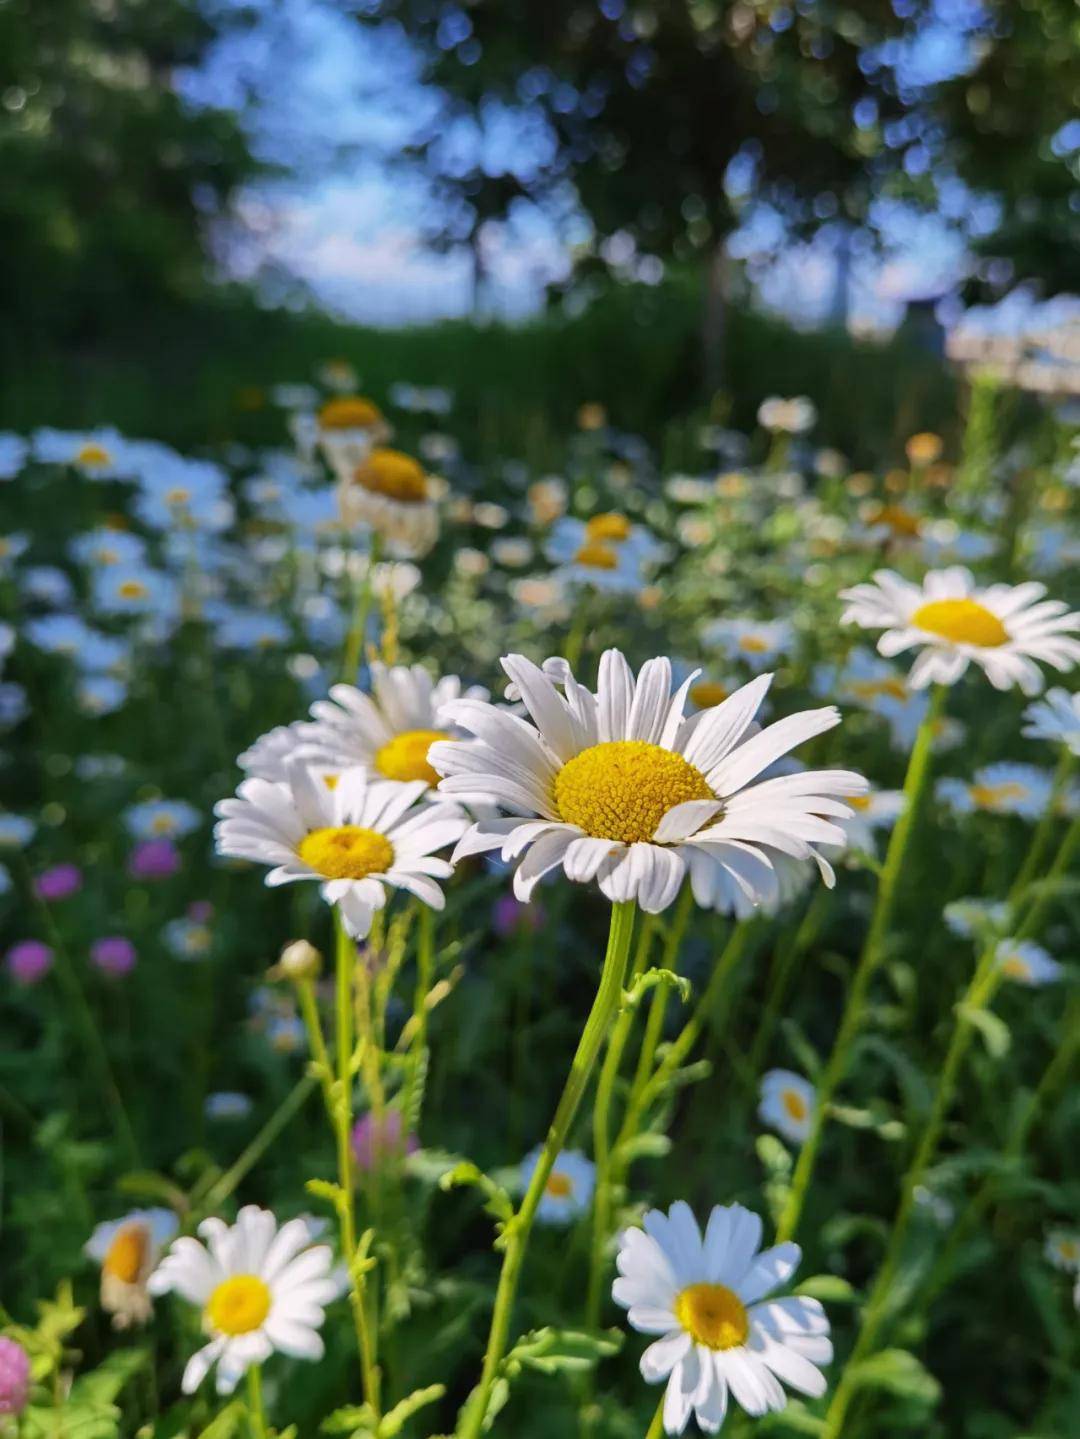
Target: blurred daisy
{"points": [[16, 830], [250, 629], [1063, 1250], [12, 548], [187, 938], [512, 552], [879, 809], [389, 731], [787, 1103], [390, 492], [127, 1250], [185, 494], [13, 452], [1056, 718], [356, 840], [1027, 963], [1003, 788], [97, 454], [620, 788], [346, 429], [1004, 629], [547, 499], [134, 590], [569, 1189], [757, 644], [162, 819], [262, 1289], [98, 695], [703, 1298], [971, 917], [787, 417], [609, 529]]}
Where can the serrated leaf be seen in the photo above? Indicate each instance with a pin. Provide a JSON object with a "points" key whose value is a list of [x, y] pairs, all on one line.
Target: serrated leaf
{"points": [[350, 1419], [550, 1350], [392, 1422], [496, 1200], [644, 1146]]}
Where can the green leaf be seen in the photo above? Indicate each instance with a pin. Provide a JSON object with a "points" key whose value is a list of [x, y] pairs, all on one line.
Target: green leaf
{"points": [[650, 979], [644, 1146], [393, 1421], [232, 1419], [148, 1184], [103, 1384], [898, 1372], [350, 1419], [829, 1288], [323, 1189], [496, 1200], [550, 1350], [994, 1030]]}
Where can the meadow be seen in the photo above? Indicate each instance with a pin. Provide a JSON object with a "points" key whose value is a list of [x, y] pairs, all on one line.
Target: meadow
{"points": [[524, 919]]}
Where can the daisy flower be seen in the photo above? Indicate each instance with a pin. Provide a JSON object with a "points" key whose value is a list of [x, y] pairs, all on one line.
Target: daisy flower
{"points": [[1003, 788], [162, 819], [1063, 1250], [268, 757], [1056, 717], [388, 732], [1026, 962], [703, 1297], [345, 429], [569, 1190], [356, 840], [127, 1251], [787, 1104], [262, 1289], [620, 788], [391, 493], [757, 644], [1004, 628], [97, 454], [880, 809]]}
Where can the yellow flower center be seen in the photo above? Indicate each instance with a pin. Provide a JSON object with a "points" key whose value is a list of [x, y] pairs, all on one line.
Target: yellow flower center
{"points": [[707, 693], [559, 1186], [1068, 1249], [713, 1315], [93, 456], [128, 1253], [349, 412], [178, 495], [610, 526], [405, 757], [753, 645], [346, 851], [965, 622], [622, 789], [132, 590], [1016, 968], [795, 1105], [923, 448], [857, 801], [989, 796], [874, 689], [596, 556], [390, 473], [900, 521], [238, 1305]]}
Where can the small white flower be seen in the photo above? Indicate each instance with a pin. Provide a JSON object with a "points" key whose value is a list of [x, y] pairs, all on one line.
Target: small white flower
{"points": [[357, 839], [1027, 962], [880, 809], [569, 1189], [757, 643], [1056, 717], [1063, 1250], [702, 1296], [788, 417], [127, 1250], [391, 493], [261, 1290], [1004, 628], [162, 819], [1004, 788], [787, 1104], [620, 788]]}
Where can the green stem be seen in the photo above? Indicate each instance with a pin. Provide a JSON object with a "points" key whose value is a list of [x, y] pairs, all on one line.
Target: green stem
{"points": [[654, 1025], [1035, 915], [256, 1412], [250, 1156], [914, 787], [787, 956], [354, 641], [605, 1089], [515, 1236], [575, 640], [976, 998], [341, 1118], [656, 1425], [1045, 829]]}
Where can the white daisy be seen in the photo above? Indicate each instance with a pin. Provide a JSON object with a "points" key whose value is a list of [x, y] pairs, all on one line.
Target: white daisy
{"points": [[390, 731], [345, 429], [261, 1290], [569, 1189], [1056, 717], [127, 1250], [757, 643], [357, 839], [1003, 788], [391, 493], [1026, 962], [880, 809], [1004, 629], [268, 757], [702, 1296], [787, 1104], [620, 788], [1063, 1250]]}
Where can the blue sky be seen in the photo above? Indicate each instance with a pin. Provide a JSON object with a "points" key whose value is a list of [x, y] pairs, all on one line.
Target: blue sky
{"points": [[333, 102]]}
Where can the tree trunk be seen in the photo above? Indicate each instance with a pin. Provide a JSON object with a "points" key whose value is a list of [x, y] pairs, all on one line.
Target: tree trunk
{"points": [[713, 325]]}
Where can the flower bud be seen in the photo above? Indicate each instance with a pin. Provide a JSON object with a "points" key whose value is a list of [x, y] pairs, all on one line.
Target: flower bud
{"points": [[299, 960]]}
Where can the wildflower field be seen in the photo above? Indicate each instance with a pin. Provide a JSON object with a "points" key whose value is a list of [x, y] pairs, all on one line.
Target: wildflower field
{"points": [[532, 950]]}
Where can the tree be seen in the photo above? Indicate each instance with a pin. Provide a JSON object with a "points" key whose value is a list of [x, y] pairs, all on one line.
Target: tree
{"points": [[108, 173], [649, 109]]}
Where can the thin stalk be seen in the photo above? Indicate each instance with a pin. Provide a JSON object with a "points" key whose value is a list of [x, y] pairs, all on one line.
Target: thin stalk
{"points": [[654, 1025], [1035, 915], [605, 1089], [250, 1156], [656, 1424], [836, 1067], [516, 1234], [354, 640], [798, 942], [256, 1411], [1044, 831], [977, 997]]}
